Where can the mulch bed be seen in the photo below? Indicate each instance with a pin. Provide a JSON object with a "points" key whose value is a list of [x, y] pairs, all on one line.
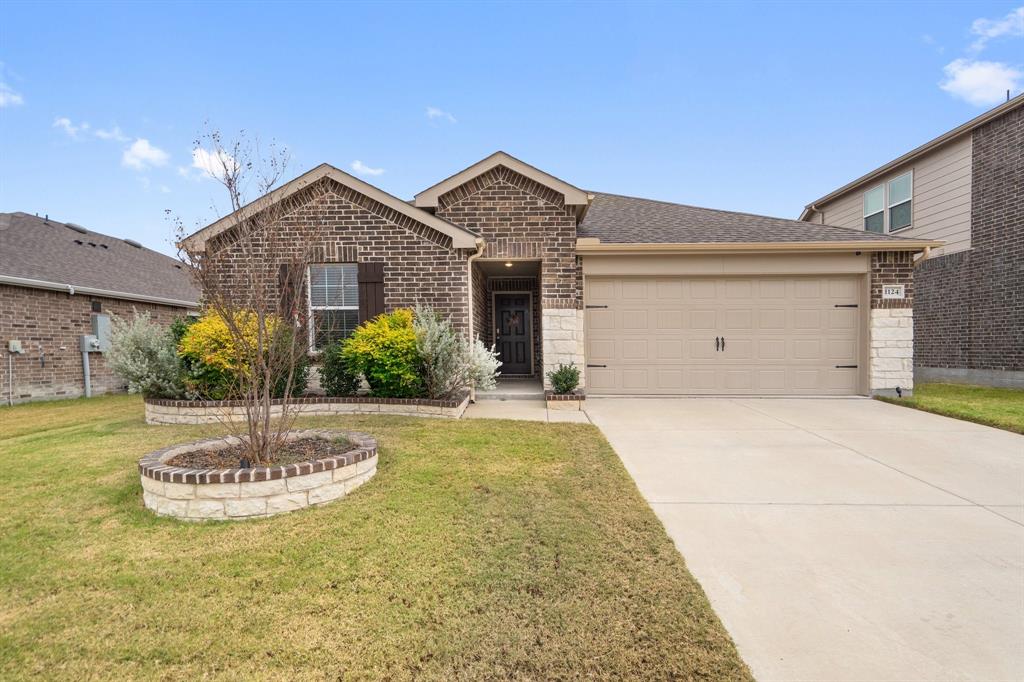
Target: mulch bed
{"points": [[293, 452]]}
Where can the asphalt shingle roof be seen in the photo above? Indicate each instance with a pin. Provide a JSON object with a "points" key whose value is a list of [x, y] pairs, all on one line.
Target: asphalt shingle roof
{"points": [[625, 220], [35, 248]]}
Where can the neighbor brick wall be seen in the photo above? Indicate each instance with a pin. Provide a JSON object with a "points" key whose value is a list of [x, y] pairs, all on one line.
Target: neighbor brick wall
{"points": [[419, 264], [970, 305], [45, 321]]}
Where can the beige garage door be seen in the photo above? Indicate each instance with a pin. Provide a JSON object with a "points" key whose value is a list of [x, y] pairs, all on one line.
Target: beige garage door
{"points": [[723, 336]]}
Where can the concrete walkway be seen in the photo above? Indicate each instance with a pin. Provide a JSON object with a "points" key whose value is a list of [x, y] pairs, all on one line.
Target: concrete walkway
{"points": [[840, 539]]}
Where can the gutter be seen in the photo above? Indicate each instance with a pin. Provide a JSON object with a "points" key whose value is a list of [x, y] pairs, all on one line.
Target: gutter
{"points": [[593, 246], [73, 289]]}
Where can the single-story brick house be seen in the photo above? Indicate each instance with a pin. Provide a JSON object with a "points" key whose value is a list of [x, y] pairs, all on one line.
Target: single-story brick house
{"points": [[55, 278], [965, 187], [650, 297]]}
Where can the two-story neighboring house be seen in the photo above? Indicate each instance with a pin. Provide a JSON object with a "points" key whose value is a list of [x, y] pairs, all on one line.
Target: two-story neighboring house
{"points": [[965, 188]]}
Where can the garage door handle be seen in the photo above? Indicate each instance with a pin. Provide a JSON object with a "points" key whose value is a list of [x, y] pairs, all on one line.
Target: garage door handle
{"points": [[717, 341], [723, 343]]}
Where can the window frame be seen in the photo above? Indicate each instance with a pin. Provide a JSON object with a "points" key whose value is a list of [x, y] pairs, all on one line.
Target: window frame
{"points": [[889, 205], [313, 350], [883, 210]]}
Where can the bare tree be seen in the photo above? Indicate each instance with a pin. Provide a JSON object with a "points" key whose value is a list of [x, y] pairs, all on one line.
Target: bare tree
{"points": [[252, 275]]}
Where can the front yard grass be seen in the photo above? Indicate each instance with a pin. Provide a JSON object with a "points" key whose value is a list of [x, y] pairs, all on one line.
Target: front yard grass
{"points": [[481, 550], [1002, 408]]}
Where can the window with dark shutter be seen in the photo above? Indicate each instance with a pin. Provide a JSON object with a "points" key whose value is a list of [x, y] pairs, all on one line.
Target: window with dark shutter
{"points": [[371, 291]]}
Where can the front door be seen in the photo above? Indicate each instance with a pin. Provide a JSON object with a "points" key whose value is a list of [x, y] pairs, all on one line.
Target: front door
{"points": [[512, 332]]}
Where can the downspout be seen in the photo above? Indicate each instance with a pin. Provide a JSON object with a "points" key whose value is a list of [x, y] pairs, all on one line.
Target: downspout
{"points": [[480, 244]]}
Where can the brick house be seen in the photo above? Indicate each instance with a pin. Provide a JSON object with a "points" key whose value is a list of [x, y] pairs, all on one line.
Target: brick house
{"points": [[651, 298], [54, 279], [966, 188]]}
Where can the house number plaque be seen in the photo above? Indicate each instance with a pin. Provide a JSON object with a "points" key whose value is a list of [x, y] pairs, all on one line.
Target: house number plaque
{"points": [[892, 291]]}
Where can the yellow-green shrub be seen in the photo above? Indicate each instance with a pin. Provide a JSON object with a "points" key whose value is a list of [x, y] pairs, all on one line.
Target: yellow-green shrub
{"points": [[384, 351]]}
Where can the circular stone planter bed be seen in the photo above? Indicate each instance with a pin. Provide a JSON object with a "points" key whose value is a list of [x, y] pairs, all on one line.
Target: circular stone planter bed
{"points": [[161, 411], [197, 494]]}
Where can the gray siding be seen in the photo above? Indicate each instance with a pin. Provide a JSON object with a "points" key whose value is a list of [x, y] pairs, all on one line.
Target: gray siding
{"points": [[942, 198]]}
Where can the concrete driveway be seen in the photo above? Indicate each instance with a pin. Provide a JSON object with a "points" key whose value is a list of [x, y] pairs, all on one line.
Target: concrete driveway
{"points": [[840, 539]]}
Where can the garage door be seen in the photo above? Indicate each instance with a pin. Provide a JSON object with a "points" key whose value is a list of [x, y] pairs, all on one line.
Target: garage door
{"points": [[728, 336]]}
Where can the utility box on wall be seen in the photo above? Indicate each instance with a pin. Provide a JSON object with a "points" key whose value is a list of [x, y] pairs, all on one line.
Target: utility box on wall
{"points": [[101, 330]]}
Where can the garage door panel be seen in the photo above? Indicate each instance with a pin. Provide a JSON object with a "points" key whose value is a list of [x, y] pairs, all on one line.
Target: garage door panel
{"points": [[784, 335]]}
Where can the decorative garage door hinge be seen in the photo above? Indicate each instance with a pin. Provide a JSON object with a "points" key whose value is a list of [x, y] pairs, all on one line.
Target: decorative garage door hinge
{"points": [[597, 365], [596, 306], [846, 366], [847, 305]]}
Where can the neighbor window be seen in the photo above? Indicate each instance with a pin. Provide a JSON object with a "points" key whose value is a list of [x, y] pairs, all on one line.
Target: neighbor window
{"points": [[874, 209], [333, 303], [900, 204]]}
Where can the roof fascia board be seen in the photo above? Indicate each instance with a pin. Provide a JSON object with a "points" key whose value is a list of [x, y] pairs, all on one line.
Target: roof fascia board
{"points": [[574, 196], [93, 291], [915, 153], [587, 246], [461, 239]]}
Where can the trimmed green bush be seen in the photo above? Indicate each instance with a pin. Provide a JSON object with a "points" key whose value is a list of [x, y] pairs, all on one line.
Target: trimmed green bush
{"points": [[384, 351], [335, 376], [564, 378]]}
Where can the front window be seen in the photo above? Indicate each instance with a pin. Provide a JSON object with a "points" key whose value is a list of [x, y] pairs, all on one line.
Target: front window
{"points": [[333, 303], [874, 210], [900, 203]]}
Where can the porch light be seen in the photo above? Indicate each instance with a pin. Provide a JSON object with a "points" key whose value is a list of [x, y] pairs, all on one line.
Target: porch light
{"points": [[508, 264]]}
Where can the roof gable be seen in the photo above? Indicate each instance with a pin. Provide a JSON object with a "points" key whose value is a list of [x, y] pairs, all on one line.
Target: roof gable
{"points": [[460, 237], [572, 196]]}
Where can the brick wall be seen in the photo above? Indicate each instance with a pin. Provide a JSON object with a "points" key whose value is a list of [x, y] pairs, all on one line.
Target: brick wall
{"points": [[419, 264], [891, 325], [892, 267], [520, 218], [47, 321], [970, 307]]}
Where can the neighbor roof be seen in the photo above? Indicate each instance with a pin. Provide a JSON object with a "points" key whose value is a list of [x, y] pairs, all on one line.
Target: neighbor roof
{"points": [[616, 219], [915, 153], [461, 237], [44, 253]]}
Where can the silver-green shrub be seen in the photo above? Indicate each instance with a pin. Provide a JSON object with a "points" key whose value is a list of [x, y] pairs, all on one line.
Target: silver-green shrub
{"points": [[144, 354], [450, 362]]}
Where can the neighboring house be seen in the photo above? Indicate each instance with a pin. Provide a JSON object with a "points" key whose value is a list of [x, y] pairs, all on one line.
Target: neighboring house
{"points": [[965, 188], [649, 297], [54, 278]]}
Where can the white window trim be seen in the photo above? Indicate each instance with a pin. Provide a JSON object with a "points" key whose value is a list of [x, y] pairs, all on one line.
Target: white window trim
{"points": [[310, 307], [884, 211], [889, 204]]}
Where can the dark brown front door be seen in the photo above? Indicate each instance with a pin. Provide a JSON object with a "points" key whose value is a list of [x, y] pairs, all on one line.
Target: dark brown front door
{"points": [[512, 332]]}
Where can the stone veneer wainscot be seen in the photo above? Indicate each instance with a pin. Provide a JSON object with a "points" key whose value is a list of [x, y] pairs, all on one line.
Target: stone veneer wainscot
{"points": [[232, 494]]}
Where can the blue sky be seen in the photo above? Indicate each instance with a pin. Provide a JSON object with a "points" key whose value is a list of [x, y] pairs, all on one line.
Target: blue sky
{"points": [[748, 107]]}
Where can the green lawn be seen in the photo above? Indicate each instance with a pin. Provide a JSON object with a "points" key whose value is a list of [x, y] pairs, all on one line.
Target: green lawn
{"points": [[481, 550], [1002, 408]]}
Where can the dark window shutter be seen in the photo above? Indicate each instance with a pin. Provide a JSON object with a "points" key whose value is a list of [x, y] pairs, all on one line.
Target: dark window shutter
{"points": [[371, 290], [288, 294]]}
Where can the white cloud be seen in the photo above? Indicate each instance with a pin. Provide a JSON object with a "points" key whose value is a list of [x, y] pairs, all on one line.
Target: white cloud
{"points": [[362, 169], [211, 165], [64, 123], [988, 29], [164, 189], [142, 155], [435, 114], [8, 97], [114, 133], [980, 83]]}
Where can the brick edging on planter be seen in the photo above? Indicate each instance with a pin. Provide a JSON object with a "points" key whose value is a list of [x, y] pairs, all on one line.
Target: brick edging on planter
{"points": [[152, 466], [564, 401], [551, 395], [160, 411], [235, 494]]}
